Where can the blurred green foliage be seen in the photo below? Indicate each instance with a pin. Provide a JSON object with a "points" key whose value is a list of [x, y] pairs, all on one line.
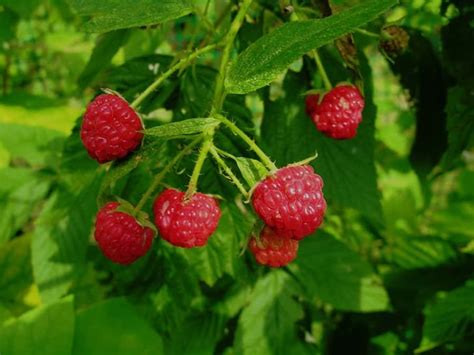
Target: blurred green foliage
{"points": [[391, 271]]}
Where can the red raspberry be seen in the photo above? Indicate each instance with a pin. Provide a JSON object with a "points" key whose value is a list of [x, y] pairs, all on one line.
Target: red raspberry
{"points": [[311, 102], [291, 202], [119, 235], [111, 129], [340, 112], [273, 250], [186, 224]]}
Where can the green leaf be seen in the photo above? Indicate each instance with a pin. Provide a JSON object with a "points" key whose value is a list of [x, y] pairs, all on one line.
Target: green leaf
{"points": [[182, 128], [15, 270], [206, 330], [21, 192], [335, 274], [106, 46], [252, 170], [268, 57], [108, 15], [61, 237], [449, 317], [267, 324], [421, 252], [49, 328], [460, 125], [114, 327]]}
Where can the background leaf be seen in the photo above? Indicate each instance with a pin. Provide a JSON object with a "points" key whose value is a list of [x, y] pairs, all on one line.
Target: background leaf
{"points": [[270, 55], [111, 15]]}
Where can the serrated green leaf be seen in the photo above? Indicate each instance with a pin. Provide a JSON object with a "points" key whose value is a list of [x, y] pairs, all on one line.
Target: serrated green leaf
{"points": [[182, 128], [114, 327], [61, 237], [49, 327], [206, 330], [108, 15], [421, 252], [449, 317], [269, 56], [336, 275], [267, 324]]}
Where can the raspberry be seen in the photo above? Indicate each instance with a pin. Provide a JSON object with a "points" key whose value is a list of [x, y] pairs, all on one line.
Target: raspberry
{"points": [[340, 112], [183, 223], [291, 202], [111, 129], [395, 41], [311, 102], [119, 235], [273, 250]]}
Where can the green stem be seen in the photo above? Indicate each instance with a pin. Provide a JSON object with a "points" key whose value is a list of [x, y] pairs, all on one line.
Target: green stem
{"points": [[236, 130], [181, 64], [229, 172], [163, 173], [322, 71], [367, 33], [205, 147], [219, 93]]}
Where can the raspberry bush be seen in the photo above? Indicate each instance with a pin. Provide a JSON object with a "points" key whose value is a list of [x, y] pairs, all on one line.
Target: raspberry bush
{"points": [[236, 177]]}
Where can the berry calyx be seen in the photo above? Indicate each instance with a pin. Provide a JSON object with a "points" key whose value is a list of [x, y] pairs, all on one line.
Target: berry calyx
{"points": [[273, 250], [311, 103], [186, 224], [291, 202], [340, 112], [119, 235], [394, 41], [111, 129]]}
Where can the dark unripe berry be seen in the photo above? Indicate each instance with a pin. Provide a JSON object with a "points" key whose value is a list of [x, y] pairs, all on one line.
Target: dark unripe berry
{"points": [[395, 41]]}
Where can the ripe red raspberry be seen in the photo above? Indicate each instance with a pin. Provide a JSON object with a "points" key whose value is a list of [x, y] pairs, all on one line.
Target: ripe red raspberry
{"points": [[119, 235], [111, 129], [311, 102], [183, 223], [291, 202], [340, 112], [273, 250]]}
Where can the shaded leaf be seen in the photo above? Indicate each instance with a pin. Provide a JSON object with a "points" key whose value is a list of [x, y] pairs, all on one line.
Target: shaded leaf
{"points": [[114, 327], [333, 273], [48, 327], [108, 15]]}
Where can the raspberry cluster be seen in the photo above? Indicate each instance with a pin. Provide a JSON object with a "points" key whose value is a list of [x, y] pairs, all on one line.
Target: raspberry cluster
{"points": [[292, 206]]}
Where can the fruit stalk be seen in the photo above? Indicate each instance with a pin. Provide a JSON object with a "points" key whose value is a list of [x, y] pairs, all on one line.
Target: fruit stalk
{"points": [[260, 153], [229, 172], [181, 64], [165, 171], [219, 94], [322, 71], [205, 147]]}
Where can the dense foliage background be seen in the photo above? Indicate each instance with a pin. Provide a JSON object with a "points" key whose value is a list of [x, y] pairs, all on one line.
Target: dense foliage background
{"points": [[390, 272]]}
